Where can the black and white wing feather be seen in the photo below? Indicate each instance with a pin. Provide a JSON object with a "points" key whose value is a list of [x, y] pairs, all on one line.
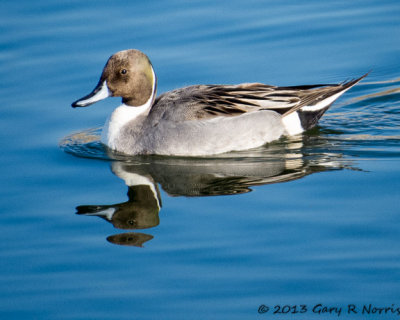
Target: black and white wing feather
{"points": [[200, 102]]}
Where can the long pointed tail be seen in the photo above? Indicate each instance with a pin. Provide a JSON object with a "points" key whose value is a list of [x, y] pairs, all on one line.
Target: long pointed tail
{"points": [[315, 103]]}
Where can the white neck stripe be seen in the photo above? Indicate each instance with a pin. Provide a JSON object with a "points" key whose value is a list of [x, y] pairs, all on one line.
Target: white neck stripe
{"points": [[123, 115]]}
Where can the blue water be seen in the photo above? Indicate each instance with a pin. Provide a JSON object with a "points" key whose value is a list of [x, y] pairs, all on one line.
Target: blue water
{"points": [[303, 221]]}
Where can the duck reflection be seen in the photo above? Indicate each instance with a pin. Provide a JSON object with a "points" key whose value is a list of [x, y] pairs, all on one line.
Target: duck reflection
{"points": [[229, 174], [139, 212]]}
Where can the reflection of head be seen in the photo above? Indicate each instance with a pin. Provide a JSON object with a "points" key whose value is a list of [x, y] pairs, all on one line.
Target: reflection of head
{"points": [[130, 239], [139, 212]]}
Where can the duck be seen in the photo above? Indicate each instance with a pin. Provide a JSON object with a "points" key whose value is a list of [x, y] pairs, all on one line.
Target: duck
{"points": [[201, 120]]}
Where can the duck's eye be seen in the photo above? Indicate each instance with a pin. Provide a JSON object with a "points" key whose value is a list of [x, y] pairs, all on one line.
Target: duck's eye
{"points": [[124, 71]]}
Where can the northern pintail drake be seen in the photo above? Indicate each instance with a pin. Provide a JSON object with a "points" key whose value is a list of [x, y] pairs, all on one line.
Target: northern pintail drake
{"points": [[201, 119]]}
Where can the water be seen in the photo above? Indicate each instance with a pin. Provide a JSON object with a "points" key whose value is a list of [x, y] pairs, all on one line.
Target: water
{"points": [[303, 221]]}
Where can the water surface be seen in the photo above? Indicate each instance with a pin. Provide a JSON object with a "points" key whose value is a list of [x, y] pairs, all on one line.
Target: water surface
{"points": [[89, 234]]}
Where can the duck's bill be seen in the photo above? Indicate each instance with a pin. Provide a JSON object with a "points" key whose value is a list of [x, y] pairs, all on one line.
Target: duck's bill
{"points": [[99, 93]]}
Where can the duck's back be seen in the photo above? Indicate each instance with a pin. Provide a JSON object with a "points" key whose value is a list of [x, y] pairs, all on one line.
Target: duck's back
{"points": [[211, 119], [185, 122], [201, 102]]}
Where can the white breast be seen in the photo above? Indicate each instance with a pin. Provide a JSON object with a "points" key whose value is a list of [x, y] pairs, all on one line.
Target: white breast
{"points": [[120, 117]]}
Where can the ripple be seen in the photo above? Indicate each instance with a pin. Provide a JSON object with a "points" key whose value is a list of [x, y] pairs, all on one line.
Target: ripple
{"points": [[87, 144], [372, 115], [295, 156]]}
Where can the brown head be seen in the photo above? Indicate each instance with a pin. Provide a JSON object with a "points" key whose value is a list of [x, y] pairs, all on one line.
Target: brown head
{"points": [[127, 74]]}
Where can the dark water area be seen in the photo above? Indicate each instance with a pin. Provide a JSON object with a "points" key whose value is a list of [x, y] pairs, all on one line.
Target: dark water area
{"points": [[312, 219]]}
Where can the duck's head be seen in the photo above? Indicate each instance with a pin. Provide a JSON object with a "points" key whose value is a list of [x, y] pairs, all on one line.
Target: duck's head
{"points": [[127, 74]]}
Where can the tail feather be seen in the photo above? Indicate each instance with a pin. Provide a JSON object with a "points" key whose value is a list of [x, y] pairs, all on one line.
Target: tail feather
{"points": [[314, 104], [316, 98]]}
